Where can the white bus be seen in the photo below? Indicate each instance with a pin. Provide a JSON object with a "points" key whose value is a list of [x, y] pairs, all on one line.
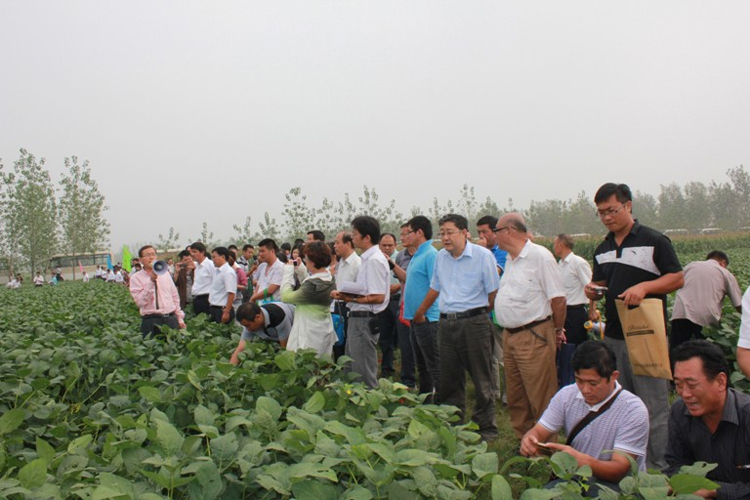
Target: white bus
{"points": [[70, 265]]}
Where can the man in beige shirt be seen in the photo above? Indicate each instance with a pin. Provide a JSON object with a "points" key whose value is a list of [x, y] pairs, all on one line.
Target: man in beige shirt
{"points": [[699, 302]]}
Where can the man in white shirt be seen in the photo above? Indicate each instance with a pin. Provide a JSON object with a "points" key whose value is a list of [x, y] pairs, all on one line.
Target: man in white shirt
{"points": [[530, 304], [576, 274], [270, 273], [374, 279], [346, 270], [203, 277], [223, 287]]}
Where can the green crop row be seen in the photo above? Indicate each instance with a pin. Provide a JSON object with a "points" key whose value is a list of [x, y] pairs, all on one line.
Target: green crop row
{"points": [[89, 410]]}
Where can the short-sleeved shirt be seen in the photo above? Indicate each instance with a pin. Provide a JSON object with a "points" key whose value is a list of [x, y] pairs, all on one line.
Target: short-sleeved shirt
{"points": [[418, 278], [645, 255], [501, 256], [465, 282], [402, 260], [624, 426], [278, 319], [224, 283], [203, 277], [347, 269], [706, 285], [529, 283], [375, 276], [691, 441], [576, 274], [744, 340], [271, 276]]}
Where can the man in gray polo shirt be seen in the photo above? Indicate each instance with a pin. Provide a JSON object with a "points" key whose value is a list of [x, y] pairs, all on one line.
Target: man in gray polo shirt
{"points": [[621, 423]]}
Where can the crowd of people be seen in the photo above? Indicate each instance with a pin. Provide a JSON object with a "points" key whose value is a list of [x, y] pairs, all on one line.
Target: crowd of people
{"points": [[502, 304]]}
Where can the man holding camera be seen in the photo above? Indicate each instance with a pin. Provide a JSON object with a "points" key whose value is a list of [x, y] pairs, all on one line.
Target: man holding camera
{"points": [[156, 296], [634, 262]]}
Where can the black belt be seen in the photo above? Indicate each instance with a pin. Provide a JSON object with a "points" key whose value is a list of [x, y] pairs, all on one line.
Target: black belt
{"points": [[579, 306], [528, 325], [199, 296], [151, 316], [361, 314], [465, 314]]}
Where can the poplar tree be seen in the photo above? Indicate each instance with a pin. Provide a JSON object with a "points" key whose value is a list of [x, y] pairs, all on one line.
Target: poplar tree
{"points": [[29, 210], [81, 209]]}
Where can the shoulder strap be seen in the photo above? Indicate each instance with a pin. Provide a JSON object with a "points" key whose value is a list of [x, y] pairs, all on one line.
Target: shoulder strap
{"points": [[590, 416]]}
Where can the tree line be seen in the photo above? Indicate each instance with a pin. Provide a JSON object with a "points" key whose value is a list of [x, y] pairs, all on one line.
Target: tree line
{"points": [[688, 209], [39, 218]]}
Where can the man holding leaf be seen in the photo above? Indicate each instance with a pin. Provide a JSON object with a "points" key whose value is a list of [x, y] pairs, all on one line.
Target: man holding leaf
{"points": [[632, 263]]}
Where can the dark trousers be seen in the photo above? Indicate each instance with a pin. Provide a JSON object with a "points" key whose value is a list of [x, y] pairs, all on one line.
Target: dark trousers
{"points": [[683, 330], [576, 333], [388, 320], [424, 340], [201, 305], [408, 362], [215, 313], [151, 324], [465, 345], [341, 309]]}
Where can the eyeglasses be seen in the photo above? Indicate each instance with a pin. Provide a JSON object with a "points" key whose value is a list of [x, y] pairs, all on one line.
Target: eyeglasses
{"points": [[447, 233], [498, 229], [603, 214]]}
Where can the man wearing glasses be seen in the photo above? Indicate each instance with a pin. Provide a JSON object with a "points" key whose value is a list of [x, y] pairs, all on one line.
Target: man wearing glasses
{"points": [[465, 278], [530, 304], [634, 262]]}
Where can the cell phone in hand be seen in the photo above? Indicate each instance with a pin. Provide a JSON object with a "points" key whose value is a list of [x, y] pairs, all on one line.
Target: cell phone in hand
{"points": [[544, 449]]}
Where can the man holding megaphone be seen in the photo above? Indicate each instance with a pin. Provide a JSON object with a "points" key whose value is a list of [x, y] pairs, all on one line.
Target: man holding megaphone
{"points": [[155, 294]]}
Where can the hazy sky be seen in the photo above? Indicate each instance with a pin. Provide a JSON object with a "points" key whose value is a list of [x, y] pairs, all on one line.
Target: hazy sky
{"points": [[212, 111]]}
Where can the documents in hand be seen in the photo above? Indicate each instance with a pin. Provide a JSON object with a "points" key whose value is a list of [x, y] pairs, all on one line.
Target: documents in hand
{"points": [[352, 288]]}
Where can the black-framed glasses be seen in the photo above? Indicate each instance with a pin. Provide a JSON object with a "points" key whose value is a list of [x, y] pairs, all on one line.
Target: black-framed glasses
{"points": [[498, 229]]}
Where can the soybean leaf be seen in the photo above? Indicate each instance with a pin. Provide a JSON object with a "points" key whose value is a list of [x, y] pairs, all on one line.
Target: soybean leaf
{"points": [[34, 474], [150, 394], [312, 490], [484, 464], [686, 483], [78, 445], [11, 420], [168, 437], [501, 488], [203, 416], [357, 493], [44, 450], [699, 469], [316, 403], [269, 405], [225, 447]]}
